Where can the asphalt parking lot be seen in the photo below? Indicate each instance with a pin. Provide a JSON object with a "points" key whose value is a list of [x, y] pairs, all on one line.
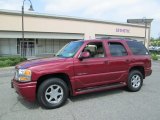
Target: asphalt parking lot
{"points": [[116, 104]]}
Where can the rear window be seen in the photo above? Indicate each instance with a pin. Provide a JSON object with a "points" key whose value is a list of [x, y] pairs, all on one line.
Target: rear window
{"points": [[137, 48]]}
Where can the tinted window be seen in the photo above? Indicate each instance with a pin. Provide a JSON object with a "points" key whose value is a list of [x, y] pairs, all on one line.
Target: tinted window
{"points": [[70, 49], [117, 49], [137, 48]]}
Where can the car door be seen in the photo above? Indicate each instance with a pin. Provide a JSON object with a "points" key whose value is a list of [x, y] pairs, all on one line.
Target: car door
{"points": [[91, 71], [118, 61]]}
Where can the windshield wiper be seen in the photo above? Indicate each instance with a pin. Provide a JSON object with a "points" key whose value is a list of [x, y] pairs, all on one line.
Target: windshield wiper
{"points": [[59, 55]]}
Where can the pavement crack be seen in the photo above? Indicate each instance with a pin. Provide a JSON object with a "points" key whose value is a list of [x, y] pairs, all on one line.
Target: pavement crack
{"points": [[74, 118], [13, 106], [5, 113], [70, 109], [3, 83]]}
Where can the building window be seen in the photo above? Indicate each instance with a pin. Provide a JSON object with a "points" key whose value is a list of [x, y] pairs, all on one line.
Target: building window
{"points": [[18, 46]]}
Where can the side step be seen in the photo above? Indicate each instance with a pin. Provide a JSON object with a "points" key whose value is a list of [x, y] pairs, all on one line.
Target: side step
{"points": [[100, 88]]}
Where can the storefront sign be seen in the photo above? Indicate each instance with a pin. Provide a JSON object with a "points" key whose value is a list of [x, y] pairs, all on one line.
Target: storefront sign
{"points": [[121, 30]]}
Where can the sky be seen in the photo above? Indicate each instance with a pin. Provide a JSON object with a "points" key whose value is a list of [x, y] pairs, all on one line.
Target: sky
{"points": [[109, 10]]}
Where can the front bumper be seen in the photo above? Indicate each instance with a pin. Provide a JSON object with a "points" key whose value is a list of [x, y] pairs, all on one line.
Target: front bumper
{"points": [[26, 90], [148, 72]]}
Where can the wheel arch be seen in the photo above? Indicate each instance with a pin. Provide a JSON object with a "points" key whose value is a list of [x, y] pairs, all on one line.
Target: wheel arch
{"points": [[62, 76], [139, 68]]}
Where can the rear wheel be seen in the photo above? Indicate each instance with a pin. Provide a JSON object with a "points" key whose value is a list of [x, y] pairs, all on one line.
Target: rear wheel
{"points": [[52, 93], [135, 80]]}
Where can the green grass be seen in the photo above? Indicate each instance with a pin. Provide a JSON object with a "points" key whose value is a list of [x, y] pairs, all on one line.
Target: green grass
{"points": [[154, 56], [10, 61]]}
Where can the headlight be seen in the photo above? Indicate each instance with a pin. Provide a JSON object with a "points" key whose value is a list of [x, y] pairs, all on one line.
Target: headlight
{"points": [[23, 75]]}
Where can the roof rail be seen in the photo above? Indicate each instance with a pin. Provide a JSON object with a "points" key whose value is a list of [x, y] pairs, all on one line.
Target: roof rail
{"points": [[111, 38], [121, 38]]}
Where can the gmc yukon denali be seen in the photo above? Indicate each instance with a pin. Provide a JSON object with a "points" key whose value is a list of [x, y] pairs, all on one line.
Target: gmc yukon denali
{"points": [[82, 67]]}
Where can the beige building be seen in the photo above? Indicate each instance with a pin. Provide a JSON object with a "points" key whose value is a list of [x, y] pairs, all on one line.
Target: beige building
{"points": [[46, 34]]}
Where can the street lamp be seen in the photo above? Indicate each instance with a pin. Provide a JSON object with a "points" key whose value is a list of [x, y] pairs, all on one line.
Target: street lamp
{"points": [[30, 9], [145, 33]]}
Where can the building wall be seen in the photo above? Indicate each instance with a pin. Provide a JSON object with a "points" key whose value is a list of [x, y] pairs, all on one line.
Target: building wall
{"points": [[50, 33], [0, 48], [8, 46], [43, 47], [61, 25], [50, 46]]}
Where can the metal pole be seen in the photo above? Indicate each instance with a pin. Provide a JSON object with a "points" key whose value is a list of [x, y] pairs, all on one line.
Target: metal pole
{"points": [[145, 31], [22, 46]]}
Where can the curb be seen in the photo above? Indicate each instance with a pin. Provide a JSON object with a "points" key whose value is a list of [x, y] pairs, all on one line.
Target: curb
{"points": [[157, 61], [7, 70]]}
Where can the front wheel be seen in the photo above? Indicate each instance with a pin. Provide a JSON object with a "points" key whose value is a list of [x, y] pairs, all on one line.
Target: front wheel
{"points": [[135, 81], [52, 93]]}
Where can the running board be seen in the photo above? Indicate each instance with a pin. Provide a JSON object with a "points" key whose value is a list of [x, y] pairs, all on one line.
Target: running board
{"points": [[100, 88]]}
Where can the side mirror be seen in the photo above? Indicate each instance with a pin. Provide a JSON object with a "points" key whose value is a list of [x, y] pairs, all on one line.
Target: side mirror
{"points": [[84, 55]]}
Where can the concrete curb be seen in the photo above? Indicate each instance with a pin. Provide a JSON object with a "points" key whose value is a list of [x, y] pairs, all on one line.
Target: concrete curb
{"points": [[7, 70], [156, 61]]}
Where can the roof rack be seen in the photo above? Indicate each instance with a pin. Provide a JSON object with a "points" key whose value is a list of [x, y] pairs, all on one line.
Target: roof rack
{"points": [[109, 38], [121, 38]]}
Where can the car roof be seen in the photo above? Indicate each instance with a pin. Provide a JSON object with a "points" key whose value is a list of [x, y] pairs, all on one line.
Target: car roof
{"points": [[108, 39]]}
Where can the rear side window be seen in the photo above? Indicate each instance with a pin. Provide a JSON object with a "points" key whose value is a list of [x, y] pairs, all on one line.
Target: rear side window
{"points": [[117, 49], [137, 48]]}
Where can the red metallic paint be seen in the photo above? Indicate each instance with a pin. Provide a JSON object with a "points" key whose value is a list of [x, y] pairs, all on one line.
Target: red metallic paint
{"points": [[90, 72], [26, 90]]}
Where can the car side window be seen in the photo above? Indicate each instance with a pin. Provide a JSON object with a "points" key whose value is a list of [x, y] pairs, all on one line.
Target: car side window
{"points": [[117, 49], [137, 48], [95, 49]]}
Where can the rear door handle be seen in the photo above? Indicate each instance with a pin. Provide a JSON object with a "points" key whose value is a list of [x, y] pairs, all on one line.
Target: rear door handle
{"points": [[127, 60]]}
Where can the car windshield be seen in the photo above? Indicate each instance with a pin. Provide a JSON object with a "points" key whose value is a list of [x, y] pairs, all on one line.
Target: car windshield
{"points": [[70, 49]]}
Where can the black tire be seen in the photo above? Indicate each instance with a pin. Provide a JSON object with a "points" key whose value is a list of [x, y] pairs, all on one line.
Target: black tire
{"points": [[136, 85], [45, 95]]}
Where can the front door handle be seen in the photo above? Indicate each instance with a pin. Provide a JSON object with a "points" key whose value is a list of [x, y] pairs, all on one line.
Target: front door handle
{"points": [[105, 62]]}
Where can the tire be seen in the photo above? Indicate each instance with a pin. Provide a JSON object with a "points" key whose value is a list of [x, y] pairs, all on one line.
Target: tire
{"points": [[135, 81], [52, 93]]}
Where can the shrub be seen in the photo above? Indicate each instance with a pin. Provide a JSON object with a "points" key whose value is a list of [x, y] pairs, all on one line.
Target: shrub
{"points": [[10, 61], [154, 56], [2, 64]]}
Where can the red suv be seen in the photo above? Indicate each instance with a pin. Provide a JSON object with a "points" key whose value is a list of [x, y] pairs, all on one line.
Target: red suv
{"points": [[82, 67]]}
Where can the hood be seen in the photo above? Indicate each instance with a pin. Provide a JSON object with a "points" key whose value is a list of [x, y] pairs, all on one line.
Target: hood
{"points": [[36, 62]]}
